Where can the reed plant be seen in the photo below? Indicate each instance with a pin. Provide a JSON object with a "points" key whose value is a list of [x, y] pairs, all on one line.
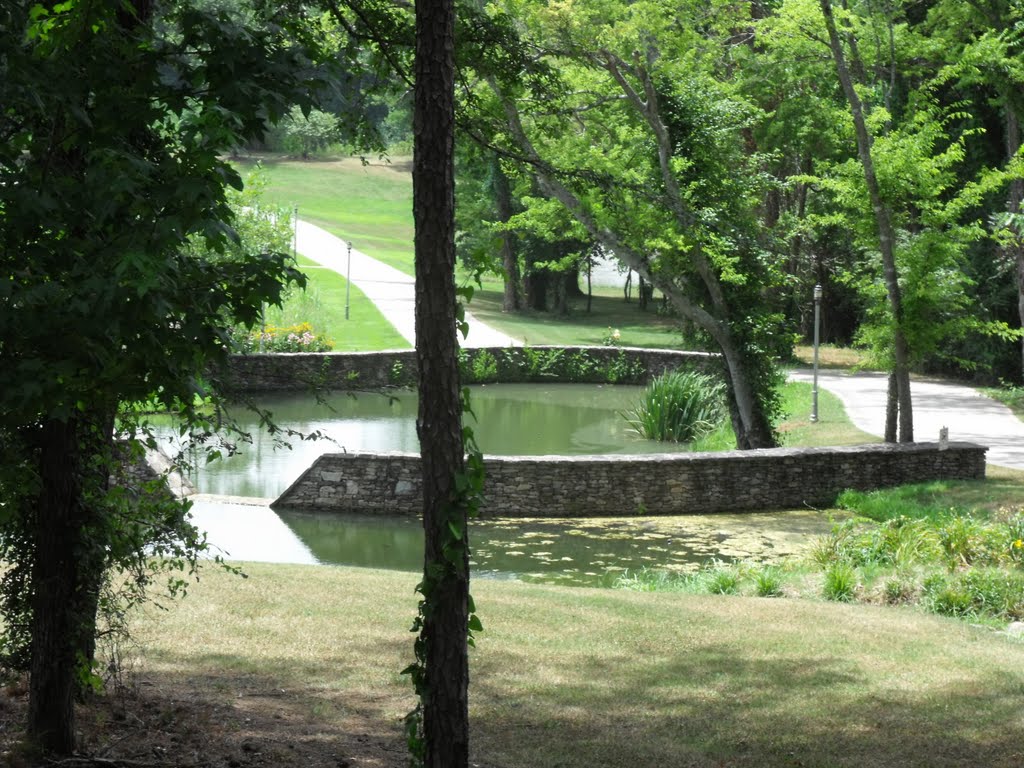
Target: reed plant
{"points": [[678, 406]]}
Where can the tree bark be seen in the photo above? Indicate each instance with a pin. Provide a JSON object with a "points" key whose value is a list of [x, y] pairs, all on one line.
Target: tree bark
{"points": [[1013, 206], [51, 717], [67, 573], [439, 423], [886, 235], [512, 297]]}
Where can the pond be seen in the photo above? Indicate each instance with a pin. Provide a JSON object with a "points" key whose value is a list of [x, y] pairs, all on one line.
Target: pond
{"points": [[579, 552], [511, 420], [559, 419]]}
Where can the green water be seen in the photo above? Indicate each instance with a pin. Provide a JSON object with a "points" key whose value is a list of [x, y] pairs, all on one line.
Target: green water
{"points": [[580, 552], [511, 420]]}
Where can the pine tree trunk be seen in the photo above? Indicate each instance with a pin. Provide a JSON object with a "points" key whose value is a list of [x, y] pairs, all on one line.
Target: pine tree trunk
{"points": [[439, 424], [55, 578], [1013, 206]]}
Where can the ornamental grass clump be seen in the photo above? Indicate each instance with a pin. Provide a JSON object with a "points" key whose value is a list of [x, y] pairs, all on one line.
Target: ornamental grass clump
{"points": [[678, 407]]}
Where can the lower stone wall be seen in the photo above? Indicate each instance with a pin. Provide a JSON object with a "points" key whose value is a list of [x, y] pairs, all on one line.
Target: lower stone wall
{"points": [[662, 484], [397, 368]]}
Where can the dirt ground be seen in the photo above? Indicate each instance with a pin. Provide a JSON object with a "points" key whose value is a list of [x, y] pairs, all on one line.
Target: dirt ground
{"points": [[213, 723]]}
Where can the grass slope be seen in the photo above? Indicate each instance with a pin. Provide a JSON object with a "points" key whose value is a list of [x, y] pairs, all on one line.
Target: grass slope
{"points": [[589, 678]]}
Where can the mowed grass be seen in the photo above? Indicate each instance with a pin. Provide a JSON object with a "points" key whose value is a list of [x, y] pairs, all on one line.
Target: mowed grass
{"points": [[371, 206], [322, 304], [367, 205], [581, 678], [609, 312]]}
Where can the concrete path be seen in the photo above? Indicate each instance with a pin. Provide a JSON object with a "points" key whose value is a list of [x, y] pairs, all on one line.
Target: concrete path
{"points": [[969, 415], [392, 291]]}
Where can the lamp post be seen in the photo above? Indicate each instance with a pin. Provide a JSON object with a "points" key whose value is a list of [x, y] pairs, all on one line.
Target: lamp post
{"points": [[817, 324], [295, 231], [348, 279]]}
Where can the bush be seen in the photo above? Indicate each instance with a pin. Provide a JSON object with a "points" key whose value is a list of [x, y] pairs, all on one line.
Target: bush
{"points": [[768, 582], [295, 338], [721, 580], [678, 407], [840, 583]]}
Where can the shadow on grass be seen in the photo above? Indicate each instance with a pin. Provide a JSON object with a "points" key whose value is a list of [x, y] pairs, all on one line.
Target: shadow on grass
{"points": [[705, 707]]}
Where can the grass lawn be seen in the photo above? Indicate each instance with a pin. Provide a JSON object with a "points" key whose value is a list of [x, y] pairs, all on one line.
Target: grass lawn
{"points": [[582, 678], [369, 205], [323, 305]]}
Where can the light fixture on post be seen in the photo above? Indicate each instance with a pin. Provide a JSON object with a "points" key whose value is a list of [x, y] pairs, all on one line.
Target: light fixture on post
{"points": [[348, 279], [817, 324]]}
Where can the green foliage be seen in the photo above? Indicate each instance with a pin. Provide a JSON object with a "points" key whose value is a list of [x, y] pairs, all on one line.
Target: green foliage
{"points": [[977, 592], [678, 407], [768, 582], [309, 133], [123, 277], [721, 580], [296, 338], [523, 364], [840, 583]]}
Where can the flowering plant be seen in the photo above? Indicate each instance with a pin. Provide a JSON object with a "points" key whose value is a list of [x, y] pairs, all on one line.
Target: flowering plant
{"points": [[295, 338]]}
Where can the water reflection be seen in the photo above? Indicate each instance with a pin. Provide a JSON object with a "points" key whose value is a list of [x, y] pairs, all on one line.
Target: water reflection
{"points": [[511, 419], [588, 552]]}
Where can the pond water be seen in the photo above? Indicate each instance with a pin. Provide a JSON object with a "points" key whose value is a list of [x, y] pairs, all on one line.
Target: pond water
{"points": [[533, 419], [581, 552], [511, 420]]}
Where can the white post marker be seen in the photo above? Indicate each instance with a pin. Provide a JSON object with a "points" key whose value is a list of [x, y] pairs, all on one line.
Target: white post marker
{"points": [[348, 279]]}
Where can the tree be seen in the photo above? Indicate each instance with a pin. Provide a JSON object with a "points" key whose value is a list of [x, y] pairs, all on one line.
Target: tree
{"points": [[641, 139], [309, 133], [982, 43], [115, 117], [439, 729], [899, 383]]}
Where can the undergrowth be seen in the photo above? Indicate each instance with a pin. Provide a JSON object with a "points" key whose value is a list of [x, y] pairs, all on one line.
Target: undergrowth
{"points": [[959, 562]]}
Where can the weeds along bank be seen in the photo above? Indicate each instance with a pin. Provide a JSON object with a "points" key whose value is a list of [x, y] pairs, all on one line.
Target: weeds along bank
{"points": [[397, 368]]}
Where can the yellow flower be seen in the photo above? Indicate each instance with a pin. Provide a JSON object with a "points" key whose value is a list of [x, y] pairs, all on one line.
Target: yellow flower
{"points": [[1018, 544]]}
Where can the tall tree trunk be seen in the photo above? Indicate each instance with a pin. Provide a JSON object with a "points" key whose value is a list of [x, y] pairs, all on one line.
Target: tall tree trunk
{"points": [[886, 236], [512, 298], [61, 517], [70, 559], [892, 410], [1013, 206], [439, 423]]}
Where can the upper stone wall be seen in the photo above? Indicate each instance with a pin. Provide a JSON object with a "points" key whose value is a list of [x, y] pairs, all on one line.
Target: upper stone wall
{"points": [[375, 370]]}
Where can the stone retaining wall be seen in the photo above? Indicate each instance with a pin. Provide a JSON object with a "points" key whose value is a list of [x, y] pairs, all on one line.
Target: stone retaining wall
{"points": [[662, 484], [375, 370]]}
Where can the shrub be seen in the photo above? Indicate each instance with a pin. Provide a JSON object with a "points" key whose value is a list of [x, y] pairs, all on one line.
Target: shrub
{"points": [[678, 407], [295, 338], [721, 580], [768, 582], [898, 589], [840, 582]]}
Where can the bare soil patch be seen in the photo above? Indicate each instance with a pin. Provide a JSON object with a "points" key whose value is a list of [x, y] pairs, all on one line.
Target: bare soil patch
{"points": [[227, 722]]}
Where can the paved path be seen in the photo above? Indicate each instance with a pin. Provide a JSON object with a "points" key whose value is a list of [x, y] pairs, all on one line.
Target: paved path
{"points": [[392, 291], [969, 415]]}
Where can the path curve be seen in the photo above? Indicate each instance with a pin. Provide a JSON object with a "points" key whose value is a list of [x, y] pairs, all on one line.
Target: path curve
{"points": [[969, 415], [392, 291]]}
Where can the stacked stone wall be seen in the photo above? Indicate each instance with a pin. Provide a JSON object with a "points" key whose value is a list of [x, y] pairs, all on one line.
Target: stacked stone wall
{"points": [[661, 484], [397, 368]]}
